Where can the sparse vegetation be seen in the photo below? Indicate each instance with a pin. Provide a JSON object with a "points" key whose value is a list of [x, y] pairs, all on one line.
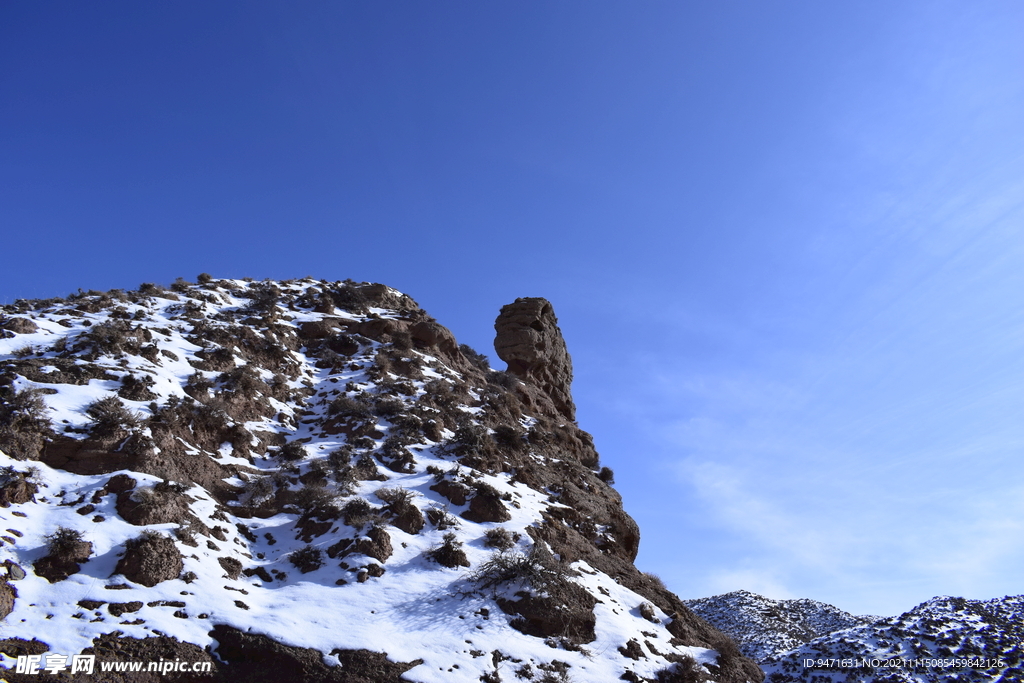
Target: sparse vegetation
{"points": [[64, 542], [110, 417], [478, 359], [500, 538], [24, 423], [441, 518], [307, 559], [292, 451], [537, 569], [346, 406], [449, 553]]}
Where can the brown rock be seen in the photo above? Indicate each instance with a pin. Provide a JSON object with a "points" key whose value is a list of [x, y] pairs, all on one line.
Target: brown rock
{"points": [[486, 506], [254, 657], [16, 647], [150, 559], [230, 565], [119, 608], [566, 611], [409, 519], [455, 492], [56, 568], [434, 335], [119, 483], [20, 325], [17, 490], [529, 340], [319, 329], [376, 544], [143, 507], [7, 595]]}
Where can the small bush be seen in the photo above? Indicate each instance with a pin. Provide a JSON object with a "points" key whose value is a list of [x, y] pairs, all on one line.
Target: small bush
{"points": [[441, 518], [538, 569], [655, 580], [263, 297], [345, 406], [307, 559], [25, 351], [137, 388], [339, 464], [388, 407], [401, 340], [292, 451], [111, 418], [63, 542], [607, 475], [509, 437], [25, 410], [449, 553], [358, 512], [686, 670], [314, 497], [396, 496], [500, 538], [474, 357]]}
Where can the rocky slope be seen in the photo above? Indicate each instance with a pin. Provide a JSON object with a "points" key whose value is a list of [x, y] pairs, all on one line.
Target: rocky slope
{"points": [[943, 639], [310, 480]]}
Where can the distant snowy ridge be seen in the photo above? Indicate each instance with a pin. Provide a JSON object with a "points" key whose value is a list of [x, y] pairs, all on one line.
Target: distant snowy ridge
{"points": [[784, 635], [919, 646], [764, 627]]}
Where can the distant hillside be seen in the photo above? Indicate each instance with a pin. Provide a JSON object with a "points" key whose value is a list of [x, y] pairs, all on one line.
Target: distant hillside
{"points": [[313, 481], [783, 635], [984, 637], [764, 627]]}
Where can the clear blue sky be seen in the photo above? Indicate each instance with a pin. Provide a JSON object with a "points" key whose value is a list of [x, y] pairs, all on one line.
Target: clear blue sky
{"points": [[784, 239]]}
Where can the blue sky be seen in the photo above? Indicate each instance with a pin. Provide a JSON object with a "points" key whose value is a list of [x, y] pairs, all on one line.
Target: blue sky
{"points": [[784, 240]]}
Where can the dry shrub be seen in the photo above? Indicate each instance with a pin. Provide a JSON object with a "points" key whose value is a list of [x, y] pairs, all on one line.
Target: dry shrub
{"points": [[450, 553], [110, 417], [307, 559], [500, 538]]}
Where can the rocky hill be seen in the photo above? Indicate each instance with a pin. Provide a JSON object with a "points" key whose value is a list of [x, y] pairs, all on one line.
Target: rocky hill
{"points": [[943, 639], [310, 480], [764, 627], [805, 641]]}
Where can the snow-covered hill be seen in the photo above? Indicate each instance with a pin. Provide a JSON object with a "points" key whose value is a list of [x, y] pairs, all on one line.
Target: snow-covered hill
{"points": [[312, 480], [763, 627], [943, 639]]}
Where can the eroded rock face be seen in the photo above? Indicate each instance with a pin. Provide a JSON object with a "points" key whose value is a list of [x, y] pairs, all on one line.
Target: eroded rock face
{"points": [[529, 340]]}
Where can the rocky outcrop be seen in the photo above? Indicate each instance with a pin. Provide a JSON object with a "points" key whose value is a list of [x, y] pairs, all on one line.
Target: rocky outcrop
{"points": [[529, 340]]}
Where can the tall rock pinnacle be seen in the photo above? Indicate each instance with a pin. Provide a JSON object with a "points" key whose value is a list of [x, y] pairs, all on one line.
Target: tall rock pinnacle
{"points": [[528, 339]]}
